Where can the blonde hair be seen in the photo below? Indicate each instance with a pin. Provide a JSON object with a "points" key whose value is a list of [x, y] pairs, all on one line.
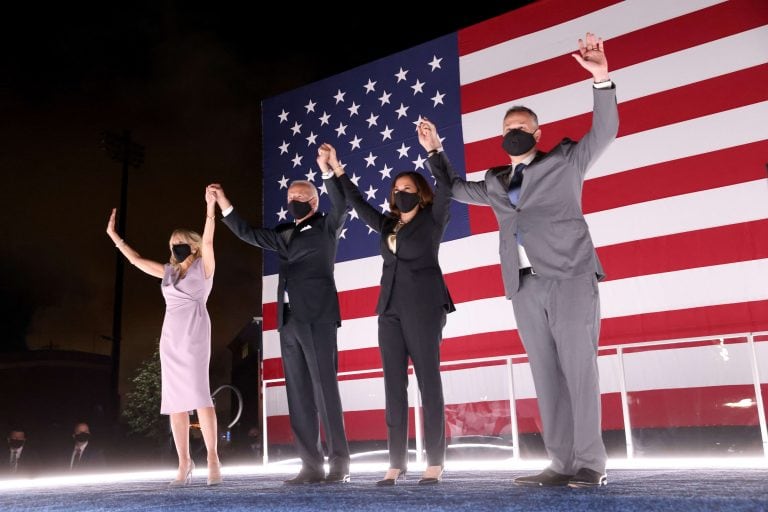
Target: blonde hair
{"points": [[187, 236]]}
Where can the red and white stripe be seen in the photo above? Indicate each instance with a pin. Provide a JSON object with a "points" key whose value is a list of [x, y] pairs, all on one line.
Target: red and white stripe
{"points": [[677, 207]]}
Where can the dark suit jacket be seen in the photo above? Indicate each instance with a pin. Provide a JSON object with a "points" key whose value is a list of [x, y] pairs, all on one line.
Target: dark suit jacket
{"points": [[27, 465], [307, 254], [415, 268], [91, 459]]}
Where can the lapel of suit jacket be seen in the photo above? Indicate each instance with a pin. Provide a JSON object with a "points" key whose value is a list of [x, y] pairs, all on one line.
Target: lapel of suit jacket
{"points": [[529, 176]]}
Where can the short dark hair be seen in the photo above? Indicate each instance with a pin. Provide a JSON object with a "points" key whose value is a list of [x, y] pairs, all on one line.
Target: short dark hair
{"points": [[515, 109], [422, 188]]}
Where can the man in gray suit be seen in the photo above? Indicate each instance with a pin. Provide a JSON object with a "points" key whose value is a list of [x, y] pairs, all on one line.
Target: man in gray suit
{"points": [[550, 271]]}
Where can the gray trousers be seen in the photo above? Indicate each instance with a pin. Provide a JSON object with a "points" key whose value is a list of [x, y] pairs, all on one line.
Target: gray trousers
{"points": [[310, 363], [559, 324]]}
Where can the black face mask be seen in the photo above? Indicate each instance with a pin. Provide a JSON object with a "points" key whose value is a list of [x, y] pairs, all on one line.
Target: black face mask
{"points": [[299, 209], [83, 436], [518, 142], [15, 443], [181, 252], [406, 201]]}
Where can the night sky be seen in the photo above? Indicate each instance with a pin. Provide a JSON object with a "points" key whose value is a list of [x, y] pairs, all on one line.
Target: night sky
{"points": [[187, 78]]}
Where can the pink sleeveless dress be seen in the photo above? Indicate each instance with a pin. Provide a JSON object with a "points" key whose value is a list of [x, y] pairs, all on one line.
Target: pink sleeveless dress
{"points": [[185, 342]]}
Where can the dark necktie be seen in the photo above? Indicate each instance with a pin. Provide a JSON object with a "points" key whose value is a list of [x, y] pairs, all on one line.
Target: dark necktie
{"points": [[517, 177], [515, 184]]}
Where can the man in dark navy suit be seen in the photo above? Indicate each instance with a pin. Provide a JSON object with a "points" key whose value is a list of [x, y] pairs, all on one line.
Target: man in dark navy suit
{"points": [[20, 460], [307, 318], [85, 455]]}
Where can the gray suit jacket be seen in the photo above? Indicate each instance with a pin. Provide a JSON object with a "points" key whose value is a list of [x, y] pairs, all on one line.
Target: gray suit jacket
{"points": [[548, 214]]}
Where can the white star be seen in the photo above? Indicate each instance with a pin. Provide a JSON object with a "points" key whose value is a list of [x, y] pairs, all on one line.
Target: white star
{"points": [[324, 118], [371, 192], [419, 162], [384, 206], [402, 111], [355, 143], [283, 147], [385, 172], [417, 122], [417, 87], [341, 130], [296, 128], [370, 230], [353, 109], [387, 133], [339, 97], [437, 98], [311, 138], [370, 160], [281, 215], [343, 233], [353, 214], [435, 64], [355, 179], [401, 75], [310, 106], [322, 188], [384, 98], [296, 160], [283, 182], [372, 120], [403, 151], [283, 116], [310, 175], [370, 86]]}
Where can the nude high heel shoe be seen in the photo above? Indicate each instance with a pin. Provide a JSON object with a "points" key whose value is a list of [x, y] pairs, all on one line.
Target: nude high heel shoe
{"points": [[214, 474], [433, 475], [187, 477]]}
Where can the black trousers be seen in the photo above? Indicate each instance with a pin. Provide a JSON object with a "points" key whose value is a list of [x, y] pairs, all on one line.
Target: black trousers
{"points": [[310, 362], [406, 329]]}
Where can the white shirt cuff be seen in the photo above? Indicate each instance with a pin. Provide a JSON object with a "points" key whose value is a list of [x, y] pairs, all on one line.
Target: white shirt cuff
{"points": [[603, 85], [327, 175], [227, 211]]}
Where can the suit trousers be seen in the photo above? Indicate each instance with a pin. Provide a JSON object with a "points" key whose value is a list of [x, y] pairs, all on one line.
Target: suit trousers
{"points": [[559, 324], [414, 331], [310, 362]]}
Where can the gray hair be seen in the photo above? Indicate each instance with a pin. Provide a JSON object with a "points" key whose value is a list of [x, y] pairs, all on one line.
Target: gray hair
{"points": [[525, 110], [306, 183]]}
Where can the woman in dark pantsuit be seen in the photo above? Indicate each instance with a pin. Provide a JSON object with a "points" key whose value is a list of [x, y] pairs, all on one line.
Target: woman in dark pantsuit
{"points": [[413, 301]]}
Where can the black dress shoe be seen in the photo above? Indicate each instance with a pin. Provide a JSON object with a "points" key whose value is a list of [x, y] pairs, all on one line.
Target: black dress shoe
{"points": [[305, 477], [386, 482], [586, 477], [337, 476], [546, 478]]}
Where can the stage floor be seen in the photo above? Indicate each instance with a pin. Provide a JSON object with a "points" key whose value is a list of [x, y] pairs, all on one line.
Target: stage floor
{"points": [[463, 488]]}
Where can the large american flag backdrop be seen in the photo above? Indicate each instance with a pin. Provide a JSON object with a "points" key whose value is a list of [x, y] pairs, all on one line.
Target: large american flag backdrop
{"points": [[677, 206]]}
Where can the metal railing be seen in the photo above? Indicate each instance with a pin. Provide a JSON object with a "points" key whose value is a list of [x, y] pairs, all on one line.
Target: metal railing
{"points": [[509, 361]]}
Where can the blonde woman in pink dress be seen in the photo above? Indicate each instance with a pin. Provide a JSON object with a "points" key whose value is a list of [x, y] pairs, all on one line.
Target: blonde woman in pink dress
{"points": [[185, 342]]}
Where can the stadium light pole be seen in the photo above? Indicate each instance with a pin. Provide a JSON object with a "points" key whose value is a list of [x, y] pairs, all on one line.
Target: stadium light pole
{"points": [[130, 154]]}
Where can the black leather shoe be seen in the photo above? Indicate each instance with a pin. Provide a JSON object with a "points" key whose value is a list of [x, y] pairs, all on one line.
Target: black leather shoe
{"points": [[546, 478], [337, 476], [586, 477], [392, 481], [305, 477]]}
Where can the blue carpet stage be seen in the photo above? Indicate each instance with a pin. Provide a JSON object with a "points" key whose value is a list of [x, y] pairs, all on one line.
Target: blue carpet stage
{"points": [[463, 488]]}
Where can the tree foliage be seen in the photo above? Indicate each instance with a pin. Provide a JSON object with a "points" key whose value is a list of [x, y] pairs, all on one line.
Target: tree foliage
{"points": [[142, 407]]}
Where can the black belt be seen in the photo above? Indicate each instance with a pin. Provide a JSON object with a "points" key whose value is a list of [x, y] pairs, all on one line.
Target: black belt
{"points": [[527, 271]]}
